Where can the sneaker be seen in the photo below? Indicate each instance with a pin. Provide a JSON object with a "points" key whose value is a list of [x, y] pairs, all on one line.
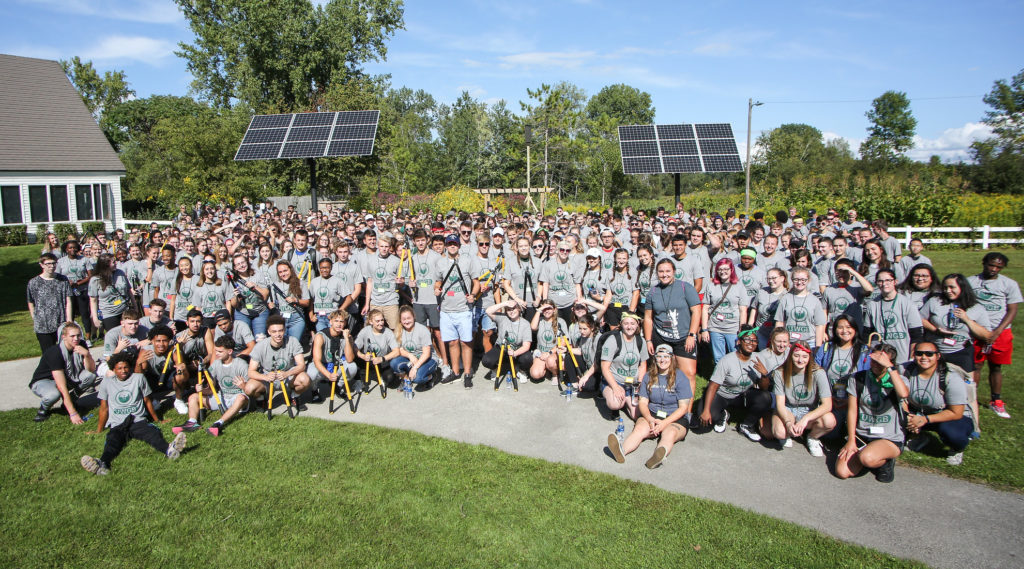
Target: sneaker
{"points": [[750, 432], [786, 443], [215, 431], [181, 407], [94, 466], [955, 458], [41, 415], [999, 409], [299, 406], [613, 446], [720, 426], [467, 381], [174, 449], [918, 443], [317, 398], [489, 375], [656, 459], [814, 447], [886, 472], [448, 378], [187, 426]]}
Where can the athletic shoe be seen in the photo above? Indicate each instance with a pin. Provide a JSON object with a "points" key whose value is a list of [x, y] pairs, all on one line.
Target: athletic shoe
{"points": [[448, 378], [955, 458], [750, 431], [94, 466], [886, 472], [787, 443], [187, 426], [656, 459], [467, 381], [814, 447], [215, 431], [41, 415], [918, 443], [174, 449], [181, 407], [999, 408], [299, 406], [317, 398], [613, 446], [489, 375], [720, 426]]}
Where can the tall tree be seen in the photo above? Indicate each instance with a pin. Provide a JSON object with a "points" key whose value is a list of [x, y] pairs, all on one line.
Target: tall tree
{"points": [[101, 94], [892, 128], [283, 54], [625, 104], [461, 135], [556, 117], [1000, 158]]}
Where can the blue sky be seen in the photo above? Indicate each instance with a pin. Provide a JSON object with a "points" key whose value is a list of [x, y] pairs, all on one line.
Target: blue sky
{"points": [[812, 62]]}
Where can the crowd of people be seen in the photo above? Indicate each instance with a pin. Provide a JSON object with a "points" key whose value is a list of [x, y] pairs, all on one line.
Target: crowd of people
{"points": [[819, 328]]}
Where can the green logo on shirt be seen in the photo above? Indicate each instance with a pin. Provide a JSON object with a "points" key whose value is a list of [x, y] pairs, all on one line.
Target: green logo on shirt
{"points": [[800, 313], [124, 397], [922, 398], [889, 318]]}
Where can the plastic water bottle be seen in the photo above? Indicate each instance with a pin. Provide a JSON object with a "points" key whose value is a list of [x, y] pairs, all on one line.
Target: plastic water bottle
{"points": [[508, 380], [87, 417], [620, 430], [407, 388]]}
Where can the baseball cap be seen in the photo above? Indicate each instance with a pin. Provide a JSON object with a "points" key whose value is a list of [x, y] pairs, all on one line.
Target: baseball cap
{"points": [[452, 239], [222, 314], [594, 252]]}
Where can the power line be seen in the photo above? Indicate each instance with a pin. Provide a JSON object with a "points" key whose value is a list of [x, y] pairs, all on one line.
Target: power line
{"points": [[869, 100]]}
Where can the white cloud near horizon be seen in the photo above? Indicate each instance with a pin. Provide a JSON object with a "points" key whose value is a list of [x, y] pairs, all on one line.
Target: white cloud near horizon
{"points": [[953, 145], [147, 50], [145, 11]]}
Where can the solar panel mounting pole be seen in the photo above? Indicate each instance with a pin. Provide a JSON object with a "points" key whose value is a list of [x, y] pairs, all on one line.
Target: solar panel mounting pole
{"points": [[679, 189], [312, 182], [750, 111]]}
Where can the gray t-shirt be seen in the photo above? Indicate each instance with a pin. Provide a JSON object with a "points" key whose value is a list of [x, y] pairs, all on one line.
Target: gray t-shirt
{"points": [[662, 402], [512, 332], [724, 302], [839, 371], [349, 275], [381, 344], [562, 279], [164, 279], [928, 395], [111, 338], [111, 300], [240, 333], [798, 394], [225, 375], [454, 289], [626, 364], [211, 297], [271, 359], [326, 294], [423, 284], [547, 336], [622, 285], [777, 260], [185, 296], [381, 273], [734, 377], [124, 398], [753, 279], [801, 314], [688, 269], [892, 248], [670, 307], [893, 319], [844, 300], [941, 315], [876, 416], [414, 341], [524, 277], [279, 291], [74, 269], [995, 294]]}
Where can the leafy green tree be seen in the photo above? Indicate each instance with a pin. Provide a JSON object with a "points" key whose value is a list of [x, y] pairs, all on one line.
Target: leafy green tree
{"points": [[892, 128], [136, 118], [408, 155], [556, 116], [627, 105], [1000, 158], [461, 128], [504, 153], [283, 55], [102, 95]]}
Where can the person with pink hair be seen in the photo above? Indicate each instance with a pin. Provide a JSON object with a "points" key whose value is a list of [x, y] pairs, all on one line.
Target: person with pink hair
{"points": [[725, 307]]}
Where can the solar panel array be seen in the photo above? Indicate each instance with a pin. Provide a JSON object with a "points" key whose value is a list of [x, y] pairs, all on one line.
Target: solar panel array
{"points": [[309, 135], [678, 148]]}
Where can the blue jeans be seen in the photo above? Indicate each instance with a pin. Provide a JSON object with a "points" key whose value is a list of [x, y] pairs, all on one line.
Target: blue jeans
{"points": [[401, 365], [322, 323], [955, 434], [294, 326], [258, 323], [722, 344]]}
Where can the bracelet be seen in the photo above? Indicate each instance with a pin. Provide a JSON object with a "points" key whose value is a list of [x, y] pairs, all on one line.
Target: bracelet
{"points": [[73, 415], [927, 419]]}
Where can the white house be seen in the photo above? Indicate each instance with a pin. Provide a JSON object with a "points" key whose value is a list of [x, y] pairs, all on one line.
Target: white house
{"points": [[56, 165]]}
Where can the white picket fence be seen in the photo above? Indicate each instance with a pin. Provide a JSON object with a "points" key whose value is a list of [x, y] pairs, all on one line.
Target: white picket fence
{"points": [[984, 238]]}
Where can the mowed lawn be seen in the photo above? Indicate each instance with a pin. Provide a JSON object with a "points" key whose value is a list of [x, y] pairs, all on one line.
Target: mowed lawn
{"points": [[996, 459], [308, 493]]}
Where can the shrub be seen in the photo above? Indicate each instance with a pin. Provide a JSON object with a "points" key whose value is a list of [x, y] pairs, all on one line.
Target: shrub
{"points": [[13, 235], [97, 227], [458, 198], [64, 231]]}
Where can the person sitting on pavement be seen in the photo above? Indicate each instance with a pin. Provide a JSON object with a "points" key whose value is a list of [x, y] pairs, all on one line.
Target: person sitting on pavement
{"points": [[514, 335], [623, 364], [736, 383], [414, 359], [875, 435], [664, 399], [803, 401], [376, 347], [64, 373], [549, 328], [277, 358], [230, 377], [332, 349], [937, 402]]}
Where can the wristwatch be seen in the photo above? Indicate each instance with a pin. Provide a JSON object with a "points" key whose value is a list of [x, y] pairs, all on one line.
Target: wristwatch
{"points": [[691, 335]]}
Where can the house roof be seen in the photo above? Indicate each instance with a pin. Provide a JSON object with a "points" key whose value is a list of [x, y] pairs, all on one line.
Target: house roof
{"points": [[44, 124]]}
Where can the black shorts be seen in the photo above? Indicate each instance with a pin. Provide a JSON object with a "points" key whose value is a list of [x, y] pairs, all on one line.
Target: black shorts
{"points": [[428, 315], [678, 347], [868, 440]]}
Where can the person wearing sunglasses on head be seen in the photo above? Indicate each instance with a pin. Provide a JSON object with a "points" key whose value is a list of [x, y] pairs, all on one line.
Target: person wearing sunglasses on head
{"points": [[560, 281], [938, 402], [893, 316]]}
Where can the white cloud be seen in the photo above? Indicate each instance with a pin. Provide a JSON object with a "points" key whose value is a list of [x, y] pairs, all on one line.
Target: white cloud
{"points": [[717, 48], [146, 11], [136, 48], [953, 145], [558, 59], [474, 91]]}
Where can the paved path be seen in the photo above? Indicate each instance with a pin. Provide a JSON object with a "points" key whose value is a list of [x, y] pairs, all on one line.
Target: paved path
{"points": [[938, 520]]}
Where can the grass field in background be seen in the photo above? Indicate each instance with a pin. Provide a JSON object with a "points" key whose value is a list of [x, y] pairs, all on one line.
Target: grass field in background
{"points": [[996, 459], [316, 493]]}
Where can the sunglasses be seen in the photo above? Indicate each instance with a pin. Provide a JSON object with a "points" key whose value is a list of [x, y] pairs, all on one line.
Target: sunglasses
{"points": [[466, 232], [483, 244], [924, 353], [560, 250], [538, 246]]}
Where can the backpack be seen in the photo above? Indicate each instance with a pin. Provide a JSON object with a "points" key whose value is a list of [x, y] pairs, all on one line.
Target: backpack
{"points": [[638, 339]]}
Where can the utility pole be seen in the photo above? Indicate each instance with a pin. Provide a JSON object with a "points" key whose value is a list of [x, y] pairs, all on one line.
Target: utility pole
{"points": [[750, 111]]}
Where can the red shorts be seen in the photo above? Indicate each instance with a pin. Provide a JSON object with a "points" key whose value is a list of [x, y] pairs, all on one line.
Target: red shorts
{"points": [[998, 352]]}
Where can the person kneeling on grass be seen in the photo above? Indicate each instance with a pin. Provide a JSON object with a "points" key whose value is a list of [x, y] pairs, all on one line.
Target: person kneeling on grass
{"points": [[938, 402], [664, 399], [230, 375], [124, 402], [875, 436]]}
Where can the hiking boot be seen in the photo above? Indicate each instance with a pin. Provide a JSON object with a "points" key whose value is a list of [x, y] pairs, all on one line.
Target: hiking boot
{"points": [[886, 472], [94, 466], [999, 408], [41, 415], [656, 459], [955, 458], [720, 426], [467, 381], [181, 407], [814, 447], [750, 432], [918, 443], [613, 446], [187, 426], [174, 449]]}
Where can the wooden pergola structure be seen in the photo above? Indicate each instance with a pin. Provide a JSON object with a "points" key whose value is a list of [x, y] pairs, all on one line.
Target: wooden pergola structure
{"points": [[542, 192]]}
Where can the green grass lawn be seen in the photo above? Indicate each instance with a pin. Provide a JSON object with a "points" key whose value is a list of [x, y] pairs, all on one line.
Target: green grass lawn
{"points": [[996, 459], [316, 493]]}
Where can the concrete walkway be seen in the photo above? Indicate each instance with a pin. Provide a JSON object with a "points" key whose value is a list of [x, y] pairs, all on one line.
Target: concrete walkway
{"points": [[931, 518]]}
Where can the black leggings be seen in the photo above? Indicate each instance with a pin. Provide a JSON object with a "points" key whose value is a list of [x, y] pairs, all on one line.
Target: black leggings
{"points": [[118, 437], [80, 306], [46, 340], [490, 360], [757, 402], [111, 322]]}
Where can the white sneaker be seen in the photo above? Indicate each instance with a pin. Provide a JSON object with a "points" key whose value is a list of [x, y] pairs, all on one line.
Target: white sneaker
{"points": [[814, 447], [750, 432], [720, 426], [176, 446], [181, 407], [788, 443], [955, 459]]}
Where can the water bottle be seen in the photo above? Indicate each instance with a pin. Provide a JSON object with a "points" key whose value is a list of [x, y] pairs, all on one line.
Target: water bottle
{"points": [[620, 431], [407, 388], [508, 380], [87, 417]]}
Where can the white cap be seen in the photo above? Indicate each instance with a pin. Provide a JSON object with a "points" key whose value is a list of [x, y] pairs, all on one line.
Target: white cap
{"points": [[594, 252]]}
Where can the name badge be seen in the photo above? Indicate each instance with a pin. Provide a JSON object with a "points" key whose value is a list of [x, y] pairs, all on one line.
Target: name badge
{"points": [[116, 302], [720, 316], [628, 380], [876, 430], [661, 414], [949, 341], [795, 336], [248, 307]]}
